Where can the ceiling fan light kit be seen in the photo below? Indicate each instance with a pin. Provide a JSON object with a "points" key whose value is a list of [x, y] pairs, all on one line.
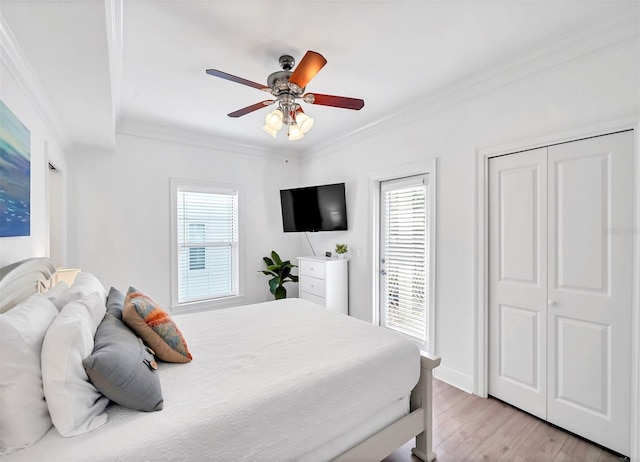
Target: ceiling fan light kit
{"points": [[270, 130], [287, 86]]}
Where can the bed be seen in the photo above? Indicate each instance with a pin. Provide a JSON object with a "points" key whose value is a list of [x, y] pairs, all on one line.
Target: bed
{"points": [[281, 380]]}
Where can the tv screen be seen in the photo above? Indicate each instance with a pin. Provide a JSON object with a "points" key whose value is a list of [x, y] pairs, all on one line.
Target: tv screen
{"points": [[315, 208]]}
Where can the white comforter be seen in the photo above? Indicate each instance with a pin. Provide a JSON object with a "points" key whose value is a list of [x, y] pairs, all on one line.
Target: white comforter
{"points": [[273, 381]]}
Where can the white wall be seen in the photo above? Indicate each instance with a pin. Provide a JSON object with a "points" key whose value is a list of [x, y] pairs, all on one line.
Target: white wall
{"points": [[595, 87], [44, 148], [120, 203]]}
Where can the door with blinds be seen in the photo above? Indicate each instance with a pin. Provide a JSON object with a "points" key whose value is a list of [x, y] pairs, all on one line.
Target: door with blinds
{"points": [[404, 256]]}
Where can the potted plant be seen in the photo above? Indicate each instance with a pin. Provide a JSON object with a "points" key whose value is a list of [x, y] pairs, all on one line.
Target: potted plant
{"points": [[280, 272], [341, 249]]}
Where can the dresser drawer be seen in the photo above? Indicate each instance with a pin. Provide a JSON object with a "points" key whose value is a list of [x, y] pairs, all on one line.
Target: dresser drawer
{"points": [[313, 286], [313, 298], [312, 268]]}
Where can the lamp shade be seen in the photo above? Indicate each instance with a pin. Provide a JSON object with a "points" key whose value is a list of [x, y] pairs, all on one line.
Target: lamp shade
{"points": [[295, 133], [274, 119], [304, 122], [270, 130]]}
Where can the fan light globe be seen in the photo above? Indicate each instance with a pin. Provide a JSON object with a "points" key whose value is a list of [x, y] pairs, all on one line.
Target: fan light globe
{"points": [[274, 119], [304, 122], [295, 133], [270, 130]]}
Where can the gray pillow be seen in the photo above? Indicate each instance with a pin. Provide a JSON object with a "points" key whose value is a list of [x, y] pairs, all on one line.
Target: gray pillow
{"points": [[115, 301], [122, 368]]}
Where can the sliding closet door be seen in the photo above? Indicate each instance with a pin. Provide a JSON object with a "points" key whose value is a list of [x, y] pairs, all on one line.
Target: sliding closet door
{"points": [[518, 280], [590, 288]]}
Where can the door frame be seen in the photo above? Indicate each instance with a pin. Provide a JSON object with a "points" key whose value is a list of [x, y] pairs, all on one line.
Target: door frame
{"points": [[425, 167], [627, 121]]}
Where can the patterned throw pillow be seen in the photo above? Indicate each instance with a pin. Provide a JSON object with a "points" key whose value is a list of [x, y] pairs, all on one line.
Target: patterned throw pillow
{"points": [[155, 327]]}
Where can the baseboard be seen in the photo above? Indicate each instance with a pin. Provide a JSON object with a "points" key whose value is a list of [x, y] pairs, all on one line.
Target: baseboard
{"points": [[454, 378]]}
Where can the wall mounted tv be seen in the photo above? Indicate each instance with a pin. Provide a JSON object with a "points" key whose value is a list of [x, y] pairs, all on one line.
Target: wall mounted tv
{"points": [[315, 208]]}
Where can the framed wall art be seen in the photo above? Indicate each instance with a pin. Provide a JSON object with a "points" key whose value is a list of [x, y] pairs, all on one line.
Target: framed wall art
{"points": [[15, 175]]}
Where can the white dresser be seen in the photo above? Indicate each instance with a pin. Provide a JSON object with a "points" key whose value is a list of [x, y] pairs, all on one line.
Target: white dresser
{"points": [[325, 281]]}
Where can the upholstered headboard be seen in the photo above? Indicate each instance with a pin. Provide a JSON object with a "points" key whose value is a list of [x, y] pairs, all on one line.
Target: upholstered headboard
{"points": [[21, 279]]}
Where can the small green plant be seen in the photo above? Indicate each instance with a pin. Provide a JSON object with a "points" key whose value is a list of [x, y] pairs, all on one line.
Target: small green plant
{"points": [[280, 272], [341, 249]]}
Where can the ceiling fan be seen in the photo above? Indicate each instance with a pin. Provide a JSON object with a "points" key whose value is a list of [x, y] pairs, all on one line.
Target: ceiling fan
{"points": [[287, 86]]}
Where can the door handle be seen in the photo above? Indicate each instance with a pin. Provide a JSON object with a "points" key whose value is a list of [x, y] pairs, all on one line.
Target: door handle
{"points": [[551, 302]]}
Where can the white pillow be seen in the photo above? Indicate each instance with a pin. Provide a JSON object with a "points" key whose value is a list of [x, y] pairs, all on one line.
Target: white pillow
{"points": [[75, 405], [87, 283], [24, 417], [83, 285], [57, 294]]}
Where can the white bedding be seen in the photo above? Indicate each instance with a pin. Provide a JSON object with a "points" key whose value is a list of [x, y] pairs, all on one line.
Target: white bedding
{"points": [[273, 381]]}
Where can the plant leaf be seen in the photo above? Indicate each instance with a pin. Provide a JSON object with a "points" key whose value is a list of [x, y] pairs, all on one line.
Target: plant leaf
{"points": [[286, 271], [268, 261], [294, 278], [268, 273], [276, 257], [280, 293], [273, 284]]}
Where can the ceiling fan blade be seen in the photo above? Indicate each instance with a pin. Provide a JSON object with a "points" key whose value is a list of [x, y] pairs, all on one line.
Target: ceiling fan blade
{"points": [[335, 101], [311, 63], [253, 107], [233, 78]]}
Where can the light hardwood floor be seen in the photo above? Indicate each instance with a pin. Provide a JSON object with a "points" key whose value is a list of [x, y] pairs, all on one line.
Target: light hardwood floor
{"points": [[468, 428]]}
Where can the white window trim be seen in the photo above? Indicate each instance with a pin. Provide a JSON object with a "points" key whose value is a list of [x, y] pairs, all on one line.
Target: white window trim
{"points": [[426, 167], [207, 304]]}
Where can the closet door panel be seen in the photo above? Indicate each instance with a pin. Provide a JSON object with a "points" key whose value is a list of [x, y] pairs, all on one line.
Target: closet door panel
{"points": [[582, 189], [590, 287], [517, 288]]}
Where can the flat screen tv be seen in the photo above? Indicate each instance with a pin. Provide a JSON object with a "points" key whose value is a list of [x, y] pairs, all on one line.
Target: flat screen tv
{"points": [[315, 208]]}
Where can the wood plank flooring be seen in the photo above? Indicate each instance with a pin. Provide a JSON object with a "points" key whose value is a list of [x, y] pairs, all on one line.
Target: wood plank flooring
{"points": [[468, 428]]}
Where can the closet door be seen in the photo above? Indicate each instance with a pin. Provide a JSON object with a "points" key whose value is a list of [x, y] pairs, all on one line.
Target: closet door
{"points": [[518, 280], [590, 288]]}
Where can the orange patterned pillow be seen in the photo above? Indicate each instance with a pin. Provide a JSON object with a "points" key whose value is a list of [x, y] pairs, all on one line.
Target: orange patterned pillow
{"points": [[155, 327]]}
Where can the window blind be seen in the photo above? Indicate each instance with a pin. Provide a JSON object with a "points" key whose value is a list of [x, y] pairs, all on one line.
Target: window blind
{"points": [[207, 244], [404, 254]]}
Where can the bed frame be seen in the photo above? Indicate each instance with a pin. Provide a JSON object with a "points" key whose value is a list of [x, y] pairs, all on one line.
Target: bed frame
{"points": [[20, 280], [418, 423]]}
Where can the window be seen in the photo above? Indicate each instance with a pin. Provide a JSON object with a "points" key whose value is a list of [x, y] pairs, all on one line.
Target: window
{"points": [[196, 254], [206, 242]]}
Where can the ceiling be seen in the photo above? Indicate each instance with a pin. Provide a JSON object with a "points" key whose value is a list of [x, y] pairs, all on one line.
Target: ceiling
{"points": [[139, 66]]}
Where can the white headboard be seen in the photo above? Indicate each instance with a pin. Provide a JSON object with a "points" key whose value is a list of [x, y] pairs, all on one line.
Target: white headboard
{"points": [[20, 280]]}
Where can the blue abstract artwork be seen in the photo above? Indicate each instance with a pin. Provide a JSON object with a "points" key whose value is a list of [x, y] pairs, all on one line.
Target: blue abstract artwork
{"points": [[15, 175]]}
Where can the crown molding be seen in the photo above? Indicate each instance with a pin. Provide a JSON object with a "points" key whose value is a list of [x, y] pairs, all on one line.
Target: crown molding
{"points": [[552, 54], [200, 139], [624, 119], [18, 66]]}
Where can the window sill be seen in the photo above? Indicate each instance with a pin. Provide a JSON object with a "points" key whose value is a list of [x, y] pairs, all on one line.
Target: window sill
{"points": [[206, 305]]}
